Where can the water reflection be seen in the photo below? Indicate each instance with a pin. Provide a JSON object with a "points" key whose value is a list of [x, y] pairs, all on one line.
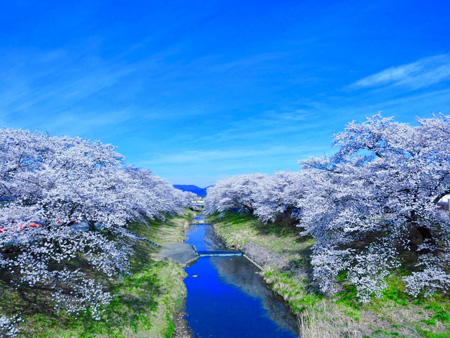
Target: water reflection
{"points": [[204, 238], [243, 274], [227, 298]]}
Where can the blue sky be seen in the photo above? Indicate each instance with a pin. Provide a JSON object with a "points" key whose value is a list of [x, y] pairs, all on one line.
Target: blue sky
{"points": [[198, 91]]}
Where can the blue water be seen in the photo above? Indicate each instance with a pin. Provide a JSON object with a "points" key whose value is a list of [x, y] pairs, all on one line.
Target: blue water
{"points": [[227, 298]]}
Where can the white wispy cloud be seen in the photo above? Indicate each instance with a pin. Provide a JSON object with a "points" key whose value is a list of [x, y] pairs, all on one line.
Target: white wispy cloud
{"points": [[76, 123], [422, 73], [61, 79], [215, 155], [239, 154]]}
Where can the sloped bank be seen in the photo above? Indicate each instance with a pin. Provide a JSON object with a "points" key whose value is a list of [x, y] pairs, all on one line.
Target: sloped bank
{"points": [[168, 235], [284, 257]]}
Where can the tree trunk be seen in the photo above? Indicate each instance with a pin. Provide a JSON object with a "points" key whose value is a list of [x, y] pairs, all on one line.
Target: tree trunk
{"points": [[91, 225]]}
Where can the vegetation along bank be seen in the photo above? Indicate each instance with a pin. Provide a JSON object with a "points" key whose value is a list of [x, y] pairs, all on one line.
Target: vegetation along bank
{"points": [[359, 240], [147, 303], [69, 265], [285, 257]]}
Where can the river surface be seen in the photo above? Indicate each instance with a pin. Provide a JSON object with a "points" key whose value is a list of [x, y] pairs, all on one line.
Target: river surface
{"points": [[227, 298]]}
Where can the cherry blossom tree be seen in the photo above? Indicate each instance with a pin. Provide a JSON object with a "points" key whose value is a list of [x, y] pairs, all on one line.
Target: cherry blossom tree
{"points": [[50, 187], [375, 199], [367, 207], [8, 326], [267, 197], [237, 192], [281, 195]]}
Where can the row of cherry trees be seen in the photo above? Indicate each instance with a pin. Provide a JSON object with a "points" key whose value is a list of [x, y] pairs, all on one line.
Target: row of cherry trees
{"points": [[371, 208], [64, 199]]}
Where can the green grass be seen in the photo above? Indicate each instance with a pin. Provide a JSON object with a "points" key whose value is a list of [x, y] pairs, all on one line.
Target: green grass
{"points": [[164, 232], [395, 314], [143, 306], [238, 230], [144, 302]]}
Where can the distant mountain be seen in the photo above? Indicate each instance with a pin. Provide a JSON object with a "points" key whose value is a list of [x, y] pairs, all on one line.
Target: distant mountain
{"points": [[192, 188]]}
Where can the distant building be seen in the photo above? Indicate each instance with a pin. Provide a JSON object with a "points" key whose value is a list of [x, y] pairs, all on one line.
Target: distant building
{"points": [[199, 203]]}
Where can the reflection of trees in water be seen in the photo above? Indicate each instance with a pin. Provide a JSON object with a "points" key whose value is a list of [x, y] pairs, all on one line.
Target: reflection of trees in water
{"points": [[211, 240], [240, 272]]}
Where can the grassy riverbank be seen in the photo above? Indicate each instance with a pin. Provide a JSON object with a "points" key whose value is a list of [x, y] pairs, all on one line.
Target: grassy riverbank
{"points": [[144, 304], [284, 255]]}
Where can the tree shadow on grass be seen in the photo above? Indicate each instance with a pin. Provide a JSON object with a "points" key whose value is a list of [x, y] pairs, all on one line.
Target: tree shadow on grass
{"points": [[134, 297]]}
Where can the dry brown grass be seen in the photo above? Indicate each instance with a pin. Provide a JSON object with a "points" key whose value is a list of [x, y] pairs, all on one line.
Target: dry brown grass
{"points": [[328, 321]]}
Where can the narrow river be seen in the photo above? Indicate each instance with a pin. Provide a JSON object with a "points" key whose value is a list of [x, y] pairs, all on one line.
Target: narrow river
{"points": [[227, 298]]}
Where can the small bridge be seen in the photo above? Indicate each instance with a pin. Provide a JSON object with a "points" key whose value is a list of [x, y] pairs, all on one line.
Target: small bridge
{"points": [[219, 253]]}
